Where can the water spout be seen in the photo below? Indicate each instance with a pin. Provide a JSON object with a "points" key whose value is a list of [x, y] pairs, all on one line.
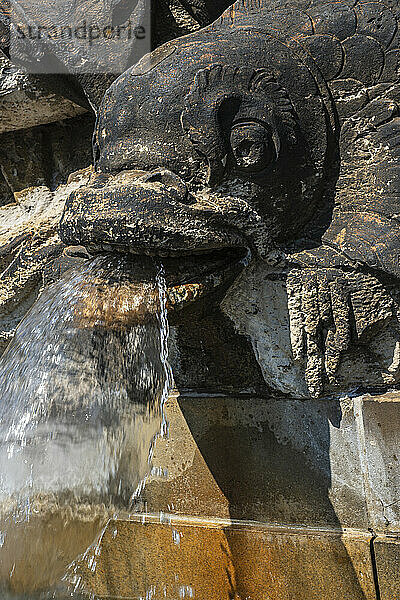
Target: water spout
{"points": [[82, 388]]}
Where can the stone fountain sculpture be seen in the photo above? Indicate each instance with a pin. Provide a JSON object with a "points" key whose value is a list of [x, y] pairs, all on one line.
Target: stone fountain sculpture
{"points": [[256, 158], [281, 155], [269, 137]]}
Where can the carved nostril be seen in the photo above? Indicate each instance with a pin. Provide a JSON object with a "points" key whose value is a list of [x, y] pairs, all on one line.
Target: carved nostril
{"points": [[171, 181]]}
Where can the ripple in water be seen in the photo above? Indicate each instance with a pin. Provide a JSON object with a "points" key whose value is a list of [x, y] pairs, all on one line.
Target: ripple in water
{"points": [[82, 388]]}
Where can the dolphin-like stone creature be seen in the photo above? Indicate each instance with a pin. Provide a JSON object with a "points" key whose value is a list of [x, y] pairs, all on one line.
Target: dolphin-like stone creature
{"points": [[273, 133]]}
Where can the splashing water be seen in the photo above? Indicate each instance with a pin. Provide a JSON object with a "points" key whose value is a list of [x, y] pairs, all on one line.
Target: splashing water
{"points": [[82, 388]]}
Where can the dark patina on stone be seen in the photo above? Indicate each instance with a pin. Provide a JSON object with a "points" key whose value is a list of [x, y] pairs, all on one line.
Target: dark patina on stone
{"points": [[271, 134]]}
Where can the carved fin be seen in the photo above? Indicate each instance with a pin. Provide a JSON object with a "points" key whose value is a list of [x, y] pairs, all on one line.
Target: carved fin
{"points": [[366, 219]]}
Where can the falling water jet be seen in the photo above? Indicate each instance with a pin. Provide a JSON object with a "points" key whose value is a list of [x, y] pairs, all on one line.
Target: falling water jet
{"points": [[81, 401]]}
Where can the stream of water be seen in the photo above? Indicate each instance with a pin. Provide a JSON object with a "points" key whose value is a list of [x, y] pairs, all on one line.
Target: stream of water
{"points": [[82, 388]]}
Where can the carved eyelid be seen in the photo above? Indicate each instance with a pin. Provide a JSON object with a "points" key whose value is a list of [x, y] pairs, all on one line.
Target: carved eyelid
{"points": [[242, 121], [258, 91]]}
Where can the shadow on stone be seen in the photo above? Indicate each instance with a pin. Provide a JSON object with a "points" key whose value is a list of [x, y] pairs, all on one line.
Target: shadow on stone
{"points": [[277, 471]]}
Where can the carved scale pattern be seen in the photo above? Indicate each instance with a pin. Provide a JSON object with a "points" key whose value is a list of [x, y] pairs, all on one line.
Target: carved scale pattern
{"points": [[356, 48]]}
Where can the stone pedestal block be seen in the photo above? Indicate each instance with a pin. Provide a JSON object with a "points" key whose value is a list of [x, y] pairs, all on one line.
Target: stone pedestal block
{"points": [[381, 424], [294, 462]]}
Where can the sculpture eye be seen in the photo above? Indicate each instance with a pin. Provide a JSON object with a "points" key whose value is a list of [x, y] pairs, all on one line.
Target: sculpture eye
{"points": [[252, 146]]}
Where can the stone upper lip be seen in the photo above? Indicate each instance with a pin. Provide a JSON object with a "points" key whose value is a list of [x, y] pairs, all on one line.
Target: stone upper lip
{"points": [[145, 213]]}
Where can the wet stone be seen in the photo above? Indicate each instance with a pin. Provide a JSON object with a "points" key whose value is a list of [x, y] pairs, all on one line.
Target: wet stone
{"points": [[222, 561]]}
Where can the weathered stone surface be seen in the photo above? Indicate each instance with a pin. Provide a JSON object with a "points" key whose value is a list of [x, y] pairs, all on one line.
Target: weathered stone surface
{"points": [[387, 556], [238, 458], [381, 422], [201, 150], [24, 104], [170, 20], [222, 561], [214, 163], [88, 75], [341, 317], [47, 154], [6, 195], [275, 461], [290, 484], [269, 311], [33, 163], [28, 244], [212, 357]]}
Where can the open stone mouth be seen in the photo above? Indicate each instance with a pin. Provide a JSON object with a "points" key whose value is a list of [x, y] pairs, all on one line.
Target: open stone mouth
{"points": [[193, 268], [120, 289], [188, 277], [181, 268], [190, 272]]}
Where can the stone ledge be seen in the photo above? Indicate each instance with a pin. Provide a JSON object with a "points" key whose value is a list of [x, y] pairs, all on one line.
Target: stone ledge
{"points": [[215, 561]]}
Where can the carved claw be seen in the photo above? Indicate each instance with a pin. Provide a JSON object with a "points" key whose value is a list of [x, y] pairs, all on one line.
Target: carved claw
{"points": [[329, 310]]}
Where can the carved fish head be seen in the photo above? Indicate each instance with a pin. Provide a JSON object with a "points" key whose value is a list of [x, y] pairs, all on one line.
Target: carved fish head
{"points": [[209, 150], [239, 141]]}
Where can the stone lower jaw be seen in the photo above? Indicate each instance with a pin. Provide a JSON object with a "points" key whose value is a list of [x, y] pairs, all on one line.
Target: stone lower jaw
{"points": [[188, 279], [178, 296]]}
